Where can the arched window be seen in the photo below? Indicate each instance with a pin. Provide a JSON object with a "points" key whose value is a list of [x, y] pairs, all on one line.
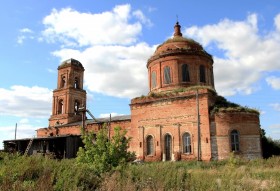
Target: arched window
{"points": [[202, 73], [76, 83], [76, 107], [150, 145], [187, 147], [154, 79], [185, 73], [234, 140], [60, 107], [63, 82], [167, 76]]}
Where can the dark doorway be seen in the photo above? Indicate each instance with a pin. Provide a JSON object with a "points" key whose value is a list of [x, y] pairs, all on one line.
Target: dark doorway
{"points": [[168, 147]]}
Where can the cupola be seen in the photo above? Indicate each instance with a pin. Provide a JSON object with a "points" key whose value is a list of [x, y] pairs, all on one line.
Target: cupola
{"points": [[179, 62]]}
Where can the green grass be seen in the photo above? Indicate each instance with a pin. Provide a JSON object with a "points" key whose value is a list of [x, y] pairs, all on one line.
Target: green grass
{"points": [[38, 173]]}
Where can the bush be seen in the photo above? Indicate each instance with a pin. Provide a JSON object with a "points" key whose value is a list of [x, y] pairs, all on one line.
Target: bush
{"points": [[39, 173], [103, 154]]}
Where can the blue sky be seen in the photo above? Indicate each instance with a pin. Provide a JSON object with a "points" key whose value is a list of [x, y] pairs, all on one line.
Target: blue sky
{"points": [[113, 40]]}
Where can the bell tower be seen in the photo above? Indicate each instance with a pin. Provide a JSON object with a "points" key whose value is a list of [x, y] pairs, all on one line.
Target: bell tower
{"points": [[69, 94]]}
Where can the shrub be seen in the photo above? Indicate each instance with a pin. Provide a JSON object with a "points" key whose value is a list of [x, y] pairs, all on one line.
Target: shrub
{"points": [[104, 154]]}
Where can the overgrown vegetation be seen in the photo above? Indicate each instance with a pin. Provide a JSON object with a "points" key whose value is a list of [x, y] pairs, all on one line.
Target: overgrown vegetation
{"points": [[270, 147], [175, 92], [38, 173], [223, 105], [103, 165], [104, 155]]}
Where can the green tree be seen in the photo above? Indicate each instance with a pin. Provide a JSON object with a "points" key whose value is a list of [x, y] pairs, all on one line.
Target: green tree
{"points": [[270, 147], [104, 154]]}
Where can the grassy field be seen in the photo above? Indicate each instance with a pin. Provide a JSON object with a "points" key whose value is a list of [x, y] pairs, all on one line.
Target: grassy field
{"points": [[38, 173]]}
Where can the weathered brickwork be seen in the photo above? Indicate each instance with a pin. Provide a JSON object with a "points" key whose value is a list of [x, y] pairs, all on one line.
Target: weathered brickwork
{"points": [[248, 127], [175, 121]]}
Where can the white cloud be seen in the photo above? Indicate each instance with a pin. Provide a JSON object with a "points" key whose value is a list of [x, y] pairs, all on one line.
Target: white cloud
{"points": [[115, 63], [73, 28], [22, 101], [275, 106], [20, 39], [24, 130], [113, 70], [274, 82], [139, 14], [275, 126], [51, 71], [26, 30], [25, 33], [23, 121], [105, 115], [246, 54]]}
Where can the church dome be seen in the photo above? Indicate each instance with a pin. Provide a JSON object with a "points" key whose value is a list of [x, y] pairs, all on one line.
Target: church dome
{"points": [[178, 44], [179, 62], [70, 62]]}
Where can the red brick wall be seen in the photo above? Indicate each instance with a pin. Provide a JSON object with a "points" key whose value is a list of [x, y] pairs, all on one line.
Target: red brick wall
{"points": [[175, 63], [248, 127], [173, 115]]}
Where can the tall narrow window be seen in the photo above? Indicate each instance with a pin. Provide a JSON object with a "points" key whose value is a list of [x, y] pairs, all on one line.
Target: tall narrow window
{"points": [[202, 73], [63, 82], [167, 76], [76, 107], [154, 79], [187, 147], [185, 73], [76, 85], [212, 77], [60, 107], [234, 140], [150, 145]]}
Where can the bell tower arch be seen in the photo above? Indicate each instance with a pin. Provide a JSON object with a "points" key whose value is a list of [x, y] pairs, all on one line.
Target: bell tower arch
{"points": [[69, 94]]}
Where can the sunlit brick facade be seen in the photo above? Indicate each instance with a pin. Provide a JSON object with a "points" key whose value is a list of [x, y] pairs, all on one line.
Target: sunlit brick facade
{"points": [[177, 120]]}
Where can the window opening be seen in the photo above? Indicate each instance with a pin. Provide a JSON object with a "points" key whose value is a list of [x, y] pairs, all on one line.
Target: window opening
{"points": [[187, 148], [185, 73], [76, 85], [202, 73], [234, 140], [168, 147], [154, 79], [76, 107], [150, 145], [167, 77], [63, 82], [60, 107]]}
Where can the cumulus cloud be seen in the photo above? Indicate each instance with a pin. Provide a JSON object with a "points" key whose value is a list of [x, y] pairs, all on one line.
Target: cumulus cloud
{"points": [[114, 70], [245, 53], [73, 28], [114, 60], [275, 106], [274, 82], [139, 14], [22, 101]]}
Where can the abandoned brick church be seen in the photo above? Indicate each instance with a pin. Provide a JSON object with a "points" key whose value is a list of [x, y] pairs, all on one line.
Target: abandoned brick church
{"points": [[181, 118]]}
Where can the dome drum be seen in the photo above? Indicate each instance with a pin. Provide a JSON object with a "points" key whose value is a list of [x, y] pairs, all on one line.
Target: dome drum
{"points": [[178, 63]]}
